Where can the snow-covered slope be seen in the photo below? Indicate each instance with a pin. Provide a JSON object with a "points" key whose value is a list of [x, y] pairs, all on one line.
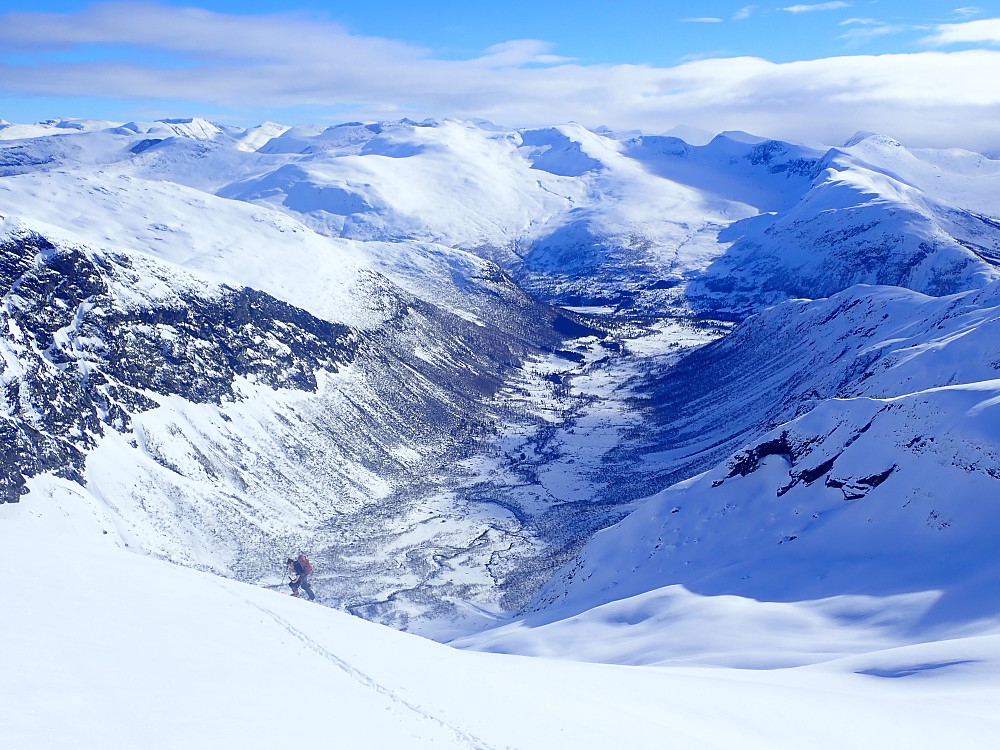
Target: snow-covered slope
{"points": [[220, 345], [589, 218], [224, 241], [234, 383], [638, 222], [876, 214], [104, 648], [15, 131], [868, 512]]}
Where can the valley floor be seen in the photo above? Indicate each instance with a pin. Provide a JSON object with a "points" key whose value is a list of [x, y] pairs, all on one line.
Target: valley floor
{"points": [[466, 543], [103, 648]]}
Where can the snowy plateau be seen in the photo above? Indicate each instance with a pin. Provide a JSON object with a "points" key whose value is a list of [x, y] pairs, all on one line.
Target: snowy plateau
{"points": [[595, 439]]}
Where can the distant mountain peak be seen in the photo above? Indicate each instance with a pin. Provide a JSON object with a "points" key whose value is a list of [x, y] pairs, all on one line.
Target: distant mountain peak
{"points": [[194, 127], [874, 138], [740, 136]]}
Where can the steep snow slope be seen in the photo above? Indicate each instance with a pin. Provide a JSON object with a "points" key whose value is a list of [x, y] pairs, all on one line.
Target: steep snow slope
{"points": [[765, 174], [872, 522], [111, 649], [225, 241], [879, 342], [235, 384], [873, 510], [875, 214]]}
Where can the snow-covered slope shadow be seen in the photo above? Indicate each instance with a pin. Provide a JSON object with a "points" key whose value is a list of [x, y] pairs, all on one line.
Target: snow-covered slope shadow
{"points": [[868, 518]]}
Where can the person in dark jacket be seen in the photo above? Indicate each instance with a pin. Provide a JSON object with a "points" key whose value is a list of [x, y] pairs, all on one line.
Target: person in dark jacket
{"points": [[299, 579]]}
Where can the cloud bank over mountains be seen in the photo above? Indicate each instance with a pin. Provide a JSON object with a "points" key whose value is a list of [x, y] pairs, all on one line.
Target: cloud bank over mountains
{"points": [[290, 66]]}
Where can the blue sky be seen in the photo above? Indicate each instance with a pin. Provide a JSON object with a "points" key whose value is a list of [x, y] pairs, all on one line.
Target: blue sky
{"points": [[658, 32], [650, 65], [648, 31]]}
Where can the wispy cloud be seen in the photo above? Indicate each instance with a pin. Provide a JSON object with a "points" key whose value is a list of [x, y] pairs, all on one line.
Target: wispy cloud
{"points": [[701, 19], [201, 33], [816, 7], [971, 32], [518, 53], [968, 12], [864, 30], [744, 13], [861, 34], [282, 66]]}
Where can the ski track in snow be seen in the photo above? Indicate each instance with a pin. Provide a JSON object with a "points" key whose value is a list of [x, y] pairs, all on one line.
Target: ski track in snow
{"points": [[360, 677]]}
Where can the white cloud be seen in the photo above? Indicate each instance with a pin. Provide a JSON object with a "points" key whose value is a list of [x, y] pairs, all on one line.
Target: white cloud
{"points": [[985, 30], [702, 19], [291, 68], [200, 33], [517, 53], [744, 13], [860, 22], [816, 7]]}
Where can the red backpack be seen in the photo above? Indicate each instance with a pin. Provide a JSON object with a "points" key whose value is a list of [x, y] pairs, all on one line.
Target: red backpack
{"points": [[306, 566]]}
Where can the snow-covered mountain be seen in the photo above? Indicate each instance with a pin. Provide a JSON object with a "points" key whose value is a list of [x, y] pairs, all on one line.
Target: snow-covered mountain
{"points": [[585, 218], [869, 510], [236, 384], [875, 214], [442, 355]]}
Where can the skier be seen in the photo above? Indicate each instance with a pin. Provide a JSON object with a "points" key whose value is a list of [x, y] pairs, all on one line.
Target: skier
{"points": [[300, 576]]}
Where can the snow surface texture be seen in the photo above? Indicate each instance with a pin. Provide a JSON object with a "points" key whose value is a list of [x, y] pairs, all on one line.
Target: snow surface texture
{"points": [[221, 345], [119, 650]]}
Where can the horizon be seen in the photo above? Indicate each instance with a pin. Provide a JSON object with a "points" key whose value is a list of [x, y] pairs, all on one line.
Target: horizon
{"points": [[692, 136], [923, 73]]}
